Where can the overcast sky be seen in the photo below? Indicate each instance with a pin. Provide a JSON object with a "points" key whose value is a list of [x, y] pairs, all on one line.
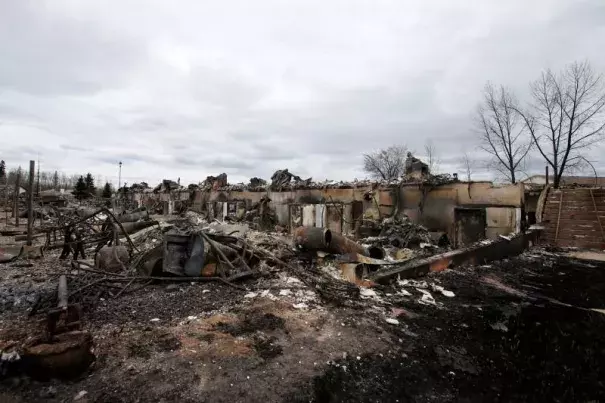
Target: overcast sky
{"points": [[195, 88]]}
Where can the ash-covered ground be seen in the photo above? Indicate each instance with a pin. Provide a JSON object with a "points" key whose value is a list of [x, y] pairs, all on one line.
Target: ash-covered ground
{"points": [[524, 329]]}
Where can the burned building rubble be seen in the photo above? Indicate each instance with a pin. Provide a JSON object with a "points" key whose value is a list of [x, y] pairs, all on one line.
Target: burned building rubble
{"points": [[216, 274], [415, 168], [419, 216], [438, 203], [215, 182]]}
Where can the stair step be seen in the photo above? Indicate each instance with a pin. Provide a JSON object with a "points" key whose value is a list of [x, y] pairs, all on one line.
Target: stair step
{"points": [[575, 243], [575, 215]]}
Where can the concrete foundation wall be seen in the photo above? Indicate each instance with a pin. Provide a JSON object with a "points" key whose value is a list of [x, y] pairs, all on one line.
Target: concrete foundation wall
{"points": [[304, 197], [432, 207]]}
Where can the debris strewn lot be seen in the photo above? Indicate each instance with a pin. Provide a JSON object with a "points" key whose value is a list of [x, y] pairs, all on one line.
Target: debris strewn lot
{"points": [[265, 321]]}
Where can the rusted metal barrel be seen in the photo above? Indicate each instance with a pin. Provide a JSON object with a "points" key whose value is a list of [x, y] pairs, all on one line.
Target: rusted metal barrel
{"points": [[312, 238], [67, 356]]}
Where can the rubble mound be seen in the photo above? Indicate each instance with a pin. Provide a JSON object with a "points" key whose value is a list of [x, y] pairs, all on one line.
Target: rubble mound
{"points": [[402, 233], [398, 232], [282, 178]]}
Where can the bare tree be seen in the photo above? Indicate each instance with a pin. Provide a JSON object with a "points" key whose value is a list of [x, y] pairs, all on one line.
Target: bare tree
{"points": [[387, 164], [432, 159], [503, 131], [567, 115], [467, 165]]}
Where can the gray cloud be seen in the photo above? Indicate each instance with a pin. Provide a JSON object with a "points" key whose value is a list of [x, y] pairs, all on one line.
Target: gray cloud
{"points": [[45, 54], [309, 85], [74, 148]]}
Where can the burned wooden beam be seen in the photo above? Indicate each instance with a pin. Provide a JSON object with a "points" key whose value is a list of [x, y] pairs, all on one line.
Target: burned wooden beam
{"points": [[478, 254]]}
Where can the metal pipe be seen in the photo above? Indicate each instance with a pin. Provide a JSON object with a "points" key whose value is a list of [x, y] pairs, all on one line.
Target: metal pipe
{"points": [[376, 252], [312, 238], [341, 245], [135, 216], [131, 227]]}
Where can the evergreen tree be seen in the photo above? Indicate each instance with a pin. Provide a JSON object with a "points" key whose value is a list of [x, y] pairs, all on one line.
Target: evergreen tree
{"points": [[90, 184], [106, 191], [2, 171], [80, 189]]}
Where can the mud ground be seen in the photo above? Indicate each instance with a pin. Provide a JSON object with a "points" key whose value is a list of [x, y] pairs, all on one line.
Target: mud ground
{"points": [[525, 329]]}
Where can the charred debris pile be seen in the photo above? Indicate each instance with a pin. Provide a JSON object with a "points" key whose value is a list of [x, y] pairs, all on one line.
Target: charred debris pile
{"points": [[284, 180], [108, 254], [98, 253], [133, 247]]}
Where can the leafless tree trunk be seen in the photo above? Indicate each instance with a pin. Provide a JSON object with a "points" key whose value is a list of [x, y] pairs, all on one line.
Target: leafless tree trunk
{"points": [[567, 115], [432, 159], [387, 164], [504, 133], [467, 165]]}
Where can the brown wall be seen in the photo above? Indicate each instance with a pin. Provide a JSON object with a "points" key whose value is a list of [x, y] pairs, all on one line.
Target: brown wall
{"points": [[280, 201], [434, 208], [431, 207]]}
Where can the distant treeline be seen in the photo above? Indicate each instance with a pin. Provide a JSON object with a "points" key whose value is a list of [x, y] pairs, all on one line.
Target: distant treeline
{"points": [[48, 180]]}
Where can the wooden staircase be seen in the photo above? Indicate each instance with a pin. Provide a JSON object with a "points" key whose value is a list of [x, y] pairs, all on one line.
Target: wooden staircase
{"points": [[575, 218]]}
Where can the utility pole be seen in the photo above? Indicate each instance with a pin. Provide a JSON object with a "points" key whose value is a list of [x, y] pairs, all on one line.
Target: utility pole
{"points": [[6, 199], [16, 198], [119, 186], [120, 177], [30, 202], [38, 184]]}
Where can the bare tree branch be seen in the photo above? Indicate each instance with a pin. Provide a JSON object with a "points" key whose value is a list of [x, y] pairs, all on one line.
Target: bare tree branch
{"points": [[432, 159], [567, 115], [468, 166], [386, 164], [504, 133]]}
